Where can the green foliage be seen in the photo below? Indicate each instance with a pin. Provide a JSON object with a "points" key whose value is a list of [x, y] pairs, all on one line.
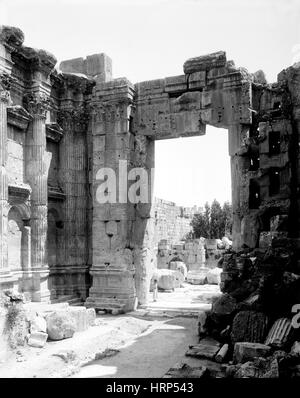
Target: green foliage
{"points": [[215, 222]]}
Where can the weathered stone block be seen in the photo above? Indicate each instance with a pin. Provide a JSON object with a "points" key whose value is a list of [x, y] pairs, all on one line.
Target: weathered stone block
{"points": [[244, 351], [279, 333], [250, 326], [214, 276], [60, 325], [91, 316], [223, 308], [80, 317], [38, 324], [37, 339]]}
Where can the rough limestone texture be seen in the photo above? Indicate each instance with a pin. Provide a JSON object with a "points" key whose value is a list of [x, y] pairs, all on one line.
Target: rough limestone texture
{"points": [[179, 266], [279, 333], [250, 326], [60, 325], [37, 339], [245, 351], [168, 279], [214, 276], [59, 128], [38, 324]]}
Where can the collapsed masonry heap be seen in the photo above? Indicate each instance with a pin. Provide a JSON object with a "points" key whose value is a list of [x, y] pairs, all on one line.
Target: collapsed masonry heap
{"points": [[253, 319]]}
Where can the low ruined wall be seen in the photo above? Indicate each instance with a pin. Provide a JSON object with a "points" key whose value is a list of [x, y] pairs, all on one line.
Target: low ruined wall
{"points": [[172, 222]]}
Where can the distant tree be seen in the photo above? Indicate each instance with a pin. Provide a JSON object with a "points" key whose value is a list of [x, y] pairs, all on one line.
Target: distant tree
{"points": [[227, 219], [215, 222]]}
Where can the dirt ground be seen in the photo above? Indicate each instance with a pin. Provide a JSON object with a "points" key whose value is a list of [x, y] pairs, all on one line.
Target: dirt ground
{"points": [[144, 343]]}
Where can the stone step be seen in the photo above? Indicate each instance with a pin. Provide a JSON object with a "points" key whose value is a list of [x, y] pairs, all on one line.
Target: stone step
{"points": [[71, 299]]}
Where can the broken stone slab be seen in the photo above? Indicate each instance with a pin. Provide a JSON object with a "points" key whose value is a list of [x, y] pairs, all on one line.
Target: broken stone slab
{"points": [[66, 355], [295, 348], [80, 317], [108, 352], [183, 370], [207, 348], [223, 308], [179, 266], [202, 317], [91, 316], [260, 368], [250, 326], [60, 325], [279, 333], [168, 279], [205, 62], [214, 276], [37, 339], [244, 351], [197, 277], [38, 324]]}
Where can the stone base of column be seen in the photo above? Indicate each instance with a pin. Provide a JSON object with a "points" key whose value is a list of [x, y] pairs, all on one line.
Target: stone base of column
{"points": [[112, 290], [40, 288]]}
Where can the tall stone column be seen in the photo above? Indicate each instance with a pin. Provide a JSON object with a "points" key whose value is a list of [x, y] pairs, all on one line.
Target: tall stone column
{"points": [[4, 100], [112, 270], [37, 166]]}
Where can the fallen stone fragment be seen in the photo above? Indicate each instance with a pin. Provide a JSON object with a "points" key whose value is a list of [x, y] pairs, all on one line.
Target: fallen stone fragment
{"points": [[202, 317], [250, 326], [244, 351], [295, 348], [179, 266], [222, 353], [108, 352], [205, 349], [279, 333], [60, 325], [197, 277], [80, 317], [66, 355], [223, 308], [37, 339], [183, 370], [91, 316], [262, 368], [38, 324], [214, 276]]}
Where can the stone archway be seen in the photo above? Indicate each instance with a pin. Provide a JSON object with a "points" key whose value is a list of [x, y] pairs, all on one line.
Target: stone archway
{"points": [[126, 121]]}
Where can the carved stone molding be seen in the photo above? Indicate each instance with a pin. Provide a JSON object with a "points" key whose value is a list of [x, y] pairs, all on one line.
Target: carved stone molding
{"points": [[56, 193], [18, 117], [54, 132], [37, 104], [5, 83], [76, 118], [19, 191]]}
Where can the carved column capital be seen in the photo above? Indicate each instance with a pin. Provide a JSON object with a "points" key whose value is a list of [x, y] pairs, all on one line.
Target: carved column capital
{"points": [[37, 104], [5, 82], [74, 117]]}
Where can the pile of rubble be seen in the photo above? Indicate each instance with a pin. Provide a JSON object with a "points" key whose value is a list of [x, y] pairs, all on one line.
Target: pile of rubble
{"points": [[36, 323], [253, 328]]}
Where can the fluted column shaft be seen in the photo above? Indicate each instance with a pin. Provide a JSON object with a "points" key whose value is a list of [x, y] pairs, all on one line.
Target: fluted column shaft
{"points": [[4, 99]]}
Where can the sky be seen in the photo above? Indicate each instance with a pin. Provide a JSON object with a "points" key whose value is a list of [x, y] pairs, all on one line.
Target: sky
{"points": [[149, 39]]}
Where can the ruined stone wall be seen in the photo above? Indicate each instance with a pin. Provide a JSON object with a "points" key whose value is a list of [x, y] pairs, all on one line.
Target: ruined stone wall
{"points": [[172, 222], [58, 129]]}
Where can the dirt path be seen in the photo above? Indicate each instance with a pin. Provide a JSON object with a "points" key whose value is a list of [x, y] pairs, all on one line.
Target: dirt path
{"points": [[149, 355]]}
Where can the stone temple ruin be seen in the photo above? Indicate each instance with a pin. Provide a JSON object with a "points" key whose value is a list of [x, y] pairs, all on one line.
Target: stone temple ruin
{"points": [[58, 129]]}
